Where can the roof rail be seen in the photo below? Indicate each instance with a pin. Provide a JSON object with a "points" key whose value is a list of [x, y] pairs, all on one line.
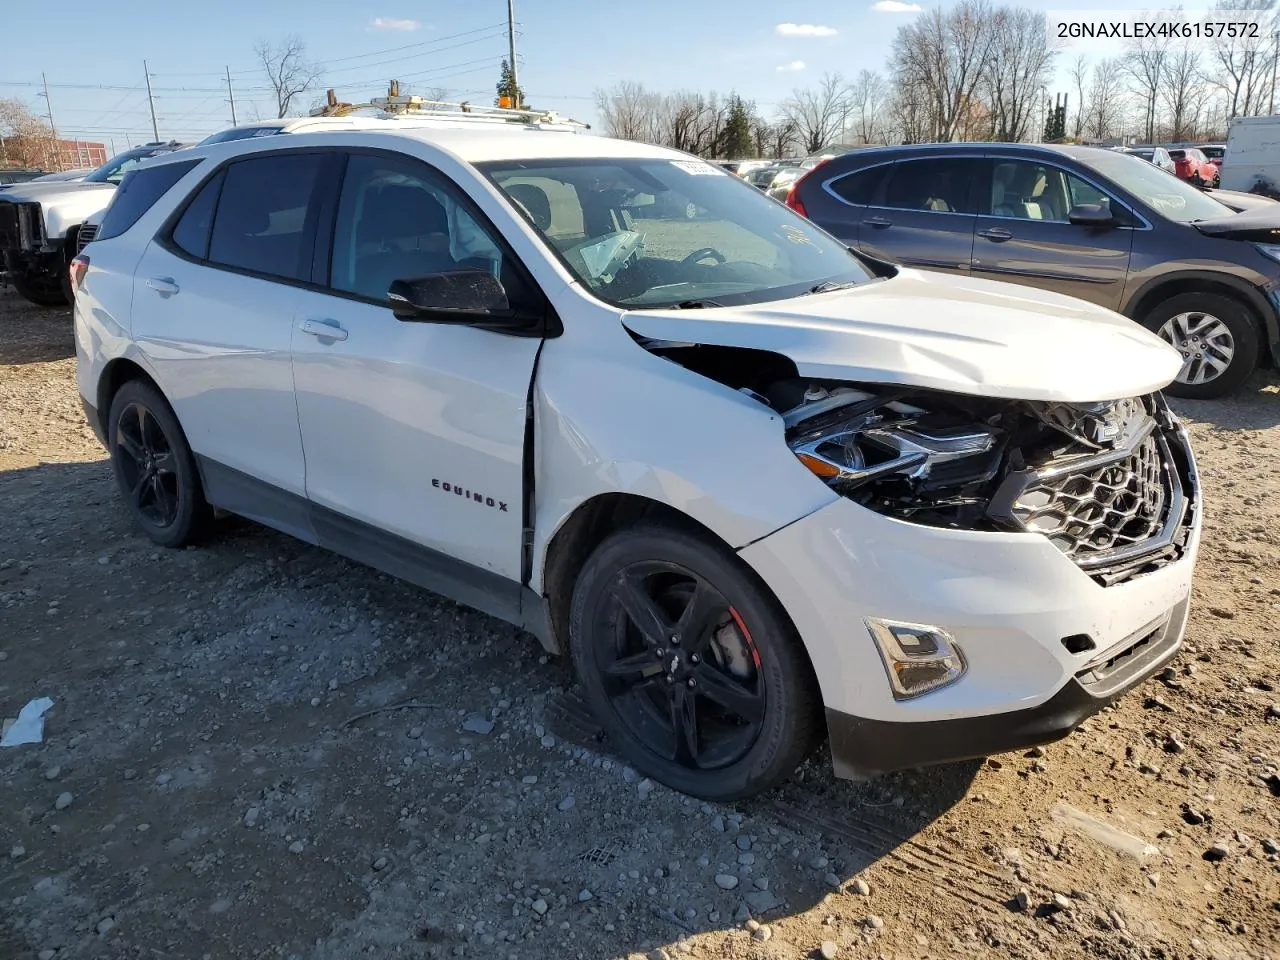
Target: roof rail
{"points": [[396, 105]]}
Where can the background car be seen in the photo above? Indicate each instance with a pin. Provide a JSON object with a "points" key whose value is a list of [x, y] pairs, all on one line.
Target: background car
{"points": [[65, 176], [1095, 224], [19, 176], [1194, 167], [1154, 155]]}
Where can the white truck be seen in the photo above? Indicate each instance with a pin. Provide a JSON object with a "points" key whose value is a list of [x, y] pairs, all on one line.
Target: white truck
{"points": [[1252, 161], [40, 224]]}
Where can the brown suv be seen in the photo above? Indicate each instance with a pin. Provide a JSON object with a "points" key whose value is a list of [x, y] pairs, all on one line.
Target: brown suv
{"points": [[1093, 223]]}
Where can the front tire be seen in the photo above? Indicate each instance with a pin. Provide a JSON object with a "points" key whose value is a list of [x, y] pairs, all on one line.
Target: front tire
{"points": [[154, 467], [697, 677], [1217, 338]]}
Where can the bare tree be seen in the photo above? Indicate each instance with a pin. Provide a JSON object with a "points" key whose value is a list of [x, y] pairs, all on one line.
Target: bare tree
{"points": [[784, 137], [288, 70], [1017, 68], [868, 99], [25, 139], [1079, 72], [1145, 63], [1182, 90], [1106, 99], [819, 114], [630, 112], [1242, 67], [944, 56]]}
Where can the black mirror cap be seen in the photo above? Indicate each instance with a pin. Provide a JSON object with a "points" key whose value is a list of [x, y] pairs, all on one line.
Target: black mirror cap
{"points": [[884, 269], [458, 296], [1091, 215]]}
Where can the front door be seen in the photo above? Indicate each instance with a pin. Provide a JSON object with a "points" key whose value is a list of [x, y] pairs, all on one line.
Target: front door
{"points": [[414, 429], [1024, 234], [924, 215]]}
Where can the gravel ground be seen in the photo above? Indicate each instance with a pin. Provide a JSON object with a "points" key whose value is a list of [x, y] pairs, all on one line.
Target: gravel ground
{"points": [[261, 750]]}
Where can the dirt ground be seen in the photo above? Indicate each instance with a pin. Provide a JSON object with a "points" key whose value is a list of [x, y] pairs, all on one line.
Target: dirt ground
{"points": [[214, 781]]}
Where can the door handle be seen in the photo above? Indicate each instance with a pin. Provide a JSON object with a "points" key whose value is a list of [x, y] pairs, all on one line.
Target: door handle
{"points": [[878, 222], [996, 234], [324, 329], [163, 286]]}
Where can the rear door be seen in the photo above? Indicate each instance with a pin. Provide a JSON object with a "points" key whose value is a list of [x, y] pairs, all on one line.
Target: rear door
{"points": [[923, 215], [1024, 235], [214, 304], [839, 204]]}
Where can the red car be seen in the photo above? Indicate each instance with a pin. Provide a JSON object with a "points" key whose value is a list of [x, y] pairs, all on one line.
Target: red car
{"points": [[1190, 164]]}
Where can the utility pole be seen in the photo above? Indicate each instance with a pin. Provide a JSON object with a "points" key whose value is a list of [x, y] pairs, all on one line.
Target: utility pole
{"points": [[56, 159], [232, 94], [155, 130], [511, 41], [112, 141]]}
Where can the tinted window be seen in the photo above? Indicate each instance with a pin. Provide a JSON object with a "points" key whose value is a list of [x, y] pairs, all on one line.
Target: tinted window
{"points": [[261, 223], [400, 220], [138, 193], [191, 234], [652, 233], [938, 184], [860, 188]]}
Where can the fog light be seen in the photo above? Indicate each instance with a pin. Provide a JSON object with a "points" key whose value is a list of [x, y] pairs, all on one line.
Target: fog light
{"points": [[917, 657]]}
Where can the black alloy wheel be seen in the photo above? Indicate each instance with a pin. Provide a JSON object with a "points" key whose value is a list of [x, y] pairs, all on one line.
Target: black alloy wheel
{"points": [[690, 665], [154, 467]]}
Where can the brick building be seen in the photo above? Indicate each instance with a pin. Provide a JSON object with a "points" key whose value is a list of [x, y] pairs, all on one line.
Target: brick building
{"points": [[81, 153]]}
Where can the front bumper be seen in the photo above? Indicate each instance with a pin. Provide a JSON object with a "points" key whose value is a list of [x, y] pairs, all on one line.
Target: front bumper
{"points": [[1033, 627]]}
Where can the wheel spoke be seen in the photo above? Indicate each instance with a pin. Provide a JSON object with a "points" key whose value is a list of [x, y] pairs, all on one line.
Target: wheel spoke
{"points": [[704, 611], [131, 446], [684, 725], [141, 487], [167, 496], [729, 693], [163, 462], [642, 610], [628, 671]]}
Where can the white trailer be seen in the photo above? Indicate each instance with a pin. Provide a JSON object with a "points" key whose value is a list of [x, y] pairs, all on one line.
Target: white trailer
{"points": [[1252, 161]]}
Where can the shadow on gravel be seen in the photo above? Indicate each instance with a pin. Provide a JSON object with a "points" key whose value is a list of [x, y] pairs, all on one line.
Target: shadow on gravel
{"points": [[260, 722], [32, 334], [1255, 406]]}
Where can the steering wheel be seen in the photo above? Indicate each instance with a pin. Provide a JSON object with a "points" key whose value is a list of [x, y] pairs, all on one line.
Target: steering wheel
{"points": [[703, 254]]}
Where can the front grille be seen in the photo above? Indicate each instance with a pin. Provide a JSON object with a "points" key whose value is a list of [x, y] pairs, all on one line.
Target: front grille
{"points": [[1088, 512], [86, 234], [1117, 513], [8, 225]]}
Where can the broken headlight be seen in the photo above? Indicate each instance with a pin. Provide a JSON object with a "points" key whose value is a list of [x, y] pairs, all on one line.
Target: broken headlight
{"points": [[931, 464]]}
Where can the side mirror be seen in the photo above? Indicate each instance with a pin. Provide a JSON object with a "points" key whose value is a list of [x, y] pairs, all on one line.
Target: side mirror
{"points": [[878, 267], [1091, 215], [455, 296]]}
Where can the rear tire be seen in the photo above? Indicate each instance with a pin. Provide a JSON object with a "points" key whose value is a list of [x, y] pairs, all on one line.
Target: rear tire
{"points": [[154, 467], [1213, 333], [715, 696]]}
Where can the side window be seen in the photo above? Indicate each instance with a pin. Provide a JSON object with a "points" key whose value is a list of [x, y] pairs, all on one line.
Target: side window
{"points": [[937, 184], [1026, 190], [399, 220], [191, 233], [1082, 192], [138, 193], [860, 187], [261, 220]]}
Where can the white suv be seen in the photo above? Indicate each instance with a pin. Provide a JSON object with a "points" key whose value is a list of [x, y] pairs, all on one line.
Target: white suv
{"points": [[753, 484]]}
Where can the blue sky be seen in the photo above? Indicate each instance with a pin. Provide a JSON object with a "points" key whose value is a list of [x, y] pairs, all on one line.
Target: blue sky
{"points": [[566, 48]]}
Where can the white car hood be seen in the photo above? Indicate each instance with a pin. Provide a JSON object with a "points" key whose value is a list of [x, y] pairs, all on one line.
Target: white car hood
{"points": [[51, 190], [928, 330], [63, 204]]}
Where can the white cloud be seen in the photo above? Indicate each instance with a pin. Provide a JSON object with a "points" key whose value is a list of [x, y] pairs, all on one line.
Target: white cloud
{"points": [[794, 66], [386, 23], [895, 6], [804, 30]]}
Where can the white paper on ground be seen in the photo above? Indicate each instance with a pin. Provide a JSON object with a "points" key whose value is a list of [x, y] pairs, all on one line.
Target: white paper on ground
{"points": [[29, 726]]}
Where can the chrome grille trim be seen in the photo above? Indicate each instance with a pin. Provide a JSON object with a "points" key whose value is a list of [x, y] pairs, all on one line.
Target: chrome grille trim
{"points": [[87, 232]]}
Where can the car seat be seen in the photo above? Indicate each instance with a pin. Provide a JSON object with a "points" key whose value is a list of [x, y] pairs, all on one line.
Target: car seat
{"points": [[533, 202], [408, 231]]}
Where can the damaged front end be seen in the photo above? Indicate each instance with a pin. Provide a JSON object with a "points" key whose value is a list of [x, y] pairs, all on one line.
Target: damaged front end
{"points": [[29, 260], [1111, 485]]}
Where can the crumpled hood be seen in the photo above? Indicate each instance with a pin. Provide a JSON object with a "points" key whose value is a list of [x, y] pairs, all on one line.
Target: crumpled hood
{"points": [[1260, 224], [927, 330]]}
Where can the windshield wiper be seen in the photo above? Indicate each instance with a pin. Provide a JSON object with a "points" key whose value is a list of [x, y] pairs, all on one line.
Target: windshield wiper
{"points": [[829, 286], [696, 304]]}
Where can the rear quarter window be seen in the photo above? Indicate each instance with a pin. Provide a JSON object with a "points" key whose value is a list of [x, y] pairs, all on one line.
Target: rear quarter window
{"points": [[138, 193], [861, 186]]}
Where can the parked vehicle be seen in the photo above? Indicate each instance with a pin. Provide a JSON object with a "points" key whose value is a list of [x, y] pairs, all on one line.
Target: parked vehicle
{"points": [[1191, 165], [781, 183], [762, 177], [271, 128], [8, 176], [40, 224], [1158, 156], [1239, 202], [65, 176], [1252, 162], [1214, 153], [749, 481], [1092, 223]]}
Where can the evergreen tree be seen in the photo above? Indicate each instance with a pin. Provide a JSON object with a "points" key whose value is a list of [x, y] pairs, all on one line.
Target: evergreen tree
{"points": [[1055, 124], [737, 141], [507, 88]]}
